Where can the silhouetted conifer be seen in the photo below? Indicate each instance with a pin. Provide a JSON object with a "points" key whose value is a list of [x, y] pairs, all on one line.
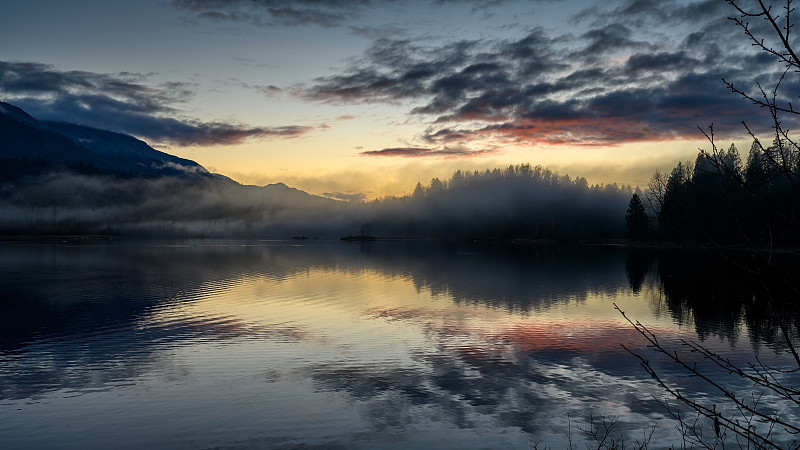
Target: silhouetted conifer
{"points": [[637, 224]]}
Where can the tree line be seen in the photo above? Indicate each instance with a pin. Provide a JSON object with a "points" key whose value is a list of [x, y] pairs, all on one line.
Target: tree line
{"points": [[719, 200]]}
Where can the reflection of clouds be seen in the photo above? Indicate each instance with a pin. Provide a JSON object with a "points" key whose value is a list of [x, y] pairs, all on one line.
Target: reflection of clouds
{"points": [[574, 336], [524, 376], [469, 389]]}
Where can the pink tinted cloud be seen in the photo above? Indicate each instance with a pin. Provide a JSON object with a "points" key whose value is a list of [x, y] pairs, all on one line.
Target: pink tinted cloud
{"points": [[422, 152]]}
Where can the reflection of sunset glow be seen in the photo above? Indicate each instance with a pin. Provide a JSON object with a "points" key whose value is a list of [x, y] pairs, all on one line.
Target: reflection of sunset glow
{"points": [[580, 335], [317, 306]]}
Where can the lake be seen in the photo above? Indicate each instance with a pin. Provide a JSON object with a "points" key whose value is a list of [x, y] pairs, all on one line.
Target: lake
{"points": [[329, 344]]}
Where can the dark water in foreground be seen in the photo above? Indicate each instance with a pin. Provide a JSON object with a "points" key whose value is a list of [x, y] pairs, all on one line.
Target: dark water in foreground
{"points": [[298, 344]]}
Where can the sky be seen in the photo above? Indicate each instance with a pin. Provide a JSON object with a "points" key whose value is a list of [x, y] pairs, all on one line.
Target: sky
{"points": [[363, 98]]}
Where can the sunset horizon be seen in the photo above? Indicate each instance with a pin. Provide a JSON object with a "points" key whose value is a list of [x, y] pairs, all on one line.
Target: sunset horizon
{"points": [[365, 99]]}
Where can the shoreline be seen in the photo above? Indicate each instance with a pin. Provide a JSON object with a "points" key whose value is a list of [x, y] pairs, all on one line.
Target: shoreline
{"points": [[517, 242]]}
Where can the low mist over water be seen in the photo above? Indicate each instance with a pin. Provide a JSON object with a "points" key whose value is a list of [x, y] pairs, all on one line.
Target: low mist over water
{"points": [[280, 344]]}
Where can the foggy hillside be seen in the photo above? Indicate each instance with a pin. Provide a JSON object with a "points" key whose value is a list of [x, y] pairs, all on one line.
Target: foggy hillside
{"points": [[62, 201]]}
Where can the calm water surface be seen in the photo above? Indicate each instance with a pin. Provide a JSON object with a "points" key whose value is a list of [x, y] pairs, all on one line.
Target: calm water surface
{"points": [[290, 344]]}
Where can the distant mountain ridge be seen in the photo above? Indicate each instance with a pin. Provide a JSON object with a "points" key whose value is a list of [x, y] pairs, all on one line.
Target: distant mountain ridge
{"points": [[23, 136], [66, 179]]}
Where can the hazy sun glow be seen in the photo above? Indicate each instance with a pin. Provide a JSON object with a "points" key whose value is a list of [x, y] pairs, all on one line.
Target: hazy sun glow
{"points": [[321, 172]]}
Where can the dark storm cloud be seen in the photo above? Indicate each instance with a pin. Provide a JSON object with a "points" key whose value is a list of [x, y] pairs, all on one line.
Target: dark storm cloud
{"points": [[669, 111], [121, 102], [220, 133], [644, 71]]}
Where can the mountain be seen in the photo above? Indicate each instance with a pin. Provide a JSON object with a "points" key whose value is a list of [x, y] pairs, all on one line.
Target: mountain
{"points": [[22, 136], [125, 152], [95, 195], [281, 193]]}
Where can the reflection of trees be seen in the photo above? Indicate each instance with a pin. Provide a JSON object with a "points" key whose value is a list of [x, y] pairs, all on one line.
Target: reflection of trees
{"points": [[75, 318], [66, 289], [522, 278], [713, 293], [637, 265]]}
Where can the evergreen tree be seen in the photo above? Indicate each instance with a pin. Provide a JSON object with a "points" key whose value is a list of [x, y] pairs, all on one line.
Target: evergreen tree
{"points": [[419, 191], [675, 213], [636, 221]]}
